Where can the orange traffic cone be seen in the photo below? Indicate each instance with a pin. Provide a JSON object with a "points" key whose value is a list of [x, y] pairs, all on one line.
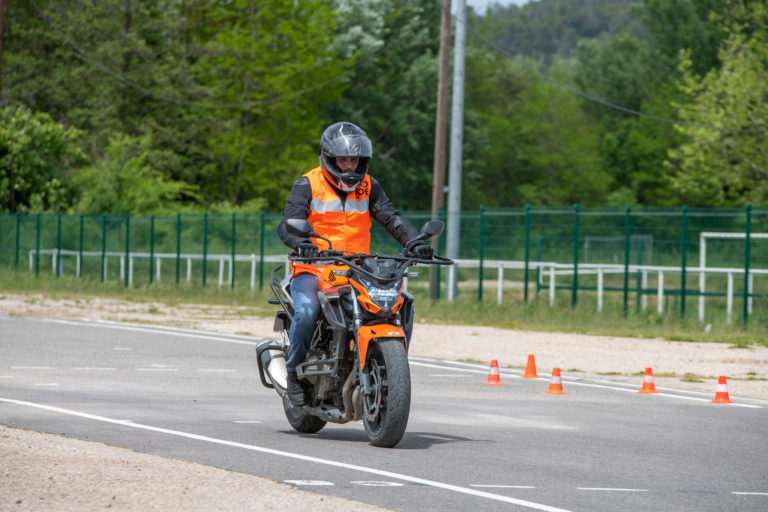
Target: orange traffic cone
{"points": [[648, 385], [555, 384], [530, 369], [493, 376], [721, 396]]}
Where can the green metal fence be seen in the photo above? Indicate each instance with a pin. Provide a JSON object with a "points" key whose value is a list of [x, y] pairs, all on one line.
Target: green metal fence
{"points": [[678, 258]]}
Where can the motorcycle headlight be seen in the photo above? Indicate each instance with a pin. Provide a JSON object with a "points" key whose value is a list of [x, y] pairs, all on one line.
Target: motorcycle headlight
{"points": [[385, 298]]}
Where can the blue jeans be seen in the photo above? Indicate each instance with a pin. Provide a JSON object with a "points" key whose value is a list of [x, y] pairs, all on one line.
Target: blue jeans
{"points": [[306, 312]]}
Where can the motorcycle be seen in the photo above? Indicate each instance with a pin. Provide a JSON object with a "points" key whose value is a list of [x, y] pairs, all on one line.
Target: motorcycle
{"points": [[356, 366]]}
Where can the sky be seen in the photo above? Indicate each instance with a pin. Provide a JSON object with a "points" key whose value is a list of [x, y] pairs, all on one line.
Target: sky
{"points": [[480, 5]]}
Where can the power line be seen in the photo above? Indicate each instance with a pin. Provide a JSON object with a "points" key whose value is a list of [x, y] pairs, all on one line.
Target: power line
{"points": [[147, 92], [597, 99]]}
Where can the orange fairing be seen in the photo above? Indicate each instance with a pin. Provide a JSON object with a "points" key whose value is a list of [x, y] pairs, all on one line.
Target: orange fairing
{"points": [[328, 278], [368, 332], [369, 305]]}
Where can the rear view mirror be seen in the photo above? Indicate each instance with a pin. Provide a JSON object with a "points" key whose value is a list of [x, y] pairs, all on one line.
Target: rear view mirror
{"points": [[432, 229]]}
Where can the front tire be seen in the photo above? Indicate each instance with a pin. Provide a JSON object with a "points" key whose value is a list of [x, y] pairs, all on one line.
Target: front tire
{"points": [[385, 412], [299, 420]]}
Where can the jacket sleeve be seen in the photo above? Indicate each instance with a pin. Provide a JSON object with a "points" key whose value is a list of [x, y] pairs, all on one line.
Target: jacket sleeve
{"points": [[296, 207], [384, 212]]}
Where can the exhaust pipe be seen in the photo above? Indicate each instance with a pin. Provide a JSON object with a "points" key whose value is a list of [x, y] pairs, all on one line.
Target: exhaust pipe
{"points": [[272, 371]]}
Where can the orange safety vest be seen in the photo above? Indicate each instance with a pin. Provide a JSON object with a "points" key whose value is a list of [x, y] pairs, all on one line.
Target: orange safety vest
{"points": [[347, 225]]}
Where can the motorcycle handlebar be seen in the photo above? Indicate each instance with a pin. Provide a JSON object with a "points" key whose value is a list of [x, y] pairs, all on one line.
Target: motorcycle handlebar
{"points": [[347, 258]]}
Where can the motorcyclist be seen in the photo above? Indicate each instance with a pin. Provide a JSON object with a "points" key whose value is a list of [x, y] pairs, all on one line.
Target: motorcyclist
{"points": [[338, 198]]}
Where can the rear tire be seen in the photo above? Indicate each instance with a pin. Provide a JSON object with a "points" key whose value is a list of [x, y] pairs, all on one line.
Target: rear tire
{"points": [[385, 413], [299, 420]]}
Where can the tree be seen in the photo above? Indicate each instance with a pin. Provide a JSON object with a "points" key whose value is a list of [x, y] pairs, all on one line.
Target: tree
{"points": [[123, 182], [723, 161], [276, 60], [391, 92], [37, 159], [535, 144]]}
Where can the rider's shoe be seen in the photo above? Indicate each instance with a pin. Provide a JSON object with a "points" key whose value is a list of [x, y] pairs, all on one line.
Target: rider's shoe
{"points": [[294, 390]]}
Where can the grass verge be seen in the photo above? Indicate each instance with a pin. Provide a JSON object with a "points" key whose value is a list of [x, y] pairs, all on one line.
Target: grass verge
{"points": [[536, 315]]}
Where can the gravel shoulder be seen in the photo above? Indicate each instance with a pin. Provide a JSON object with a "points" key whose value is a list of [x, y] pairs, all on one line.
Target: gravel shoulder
{"points": [[50, 472]]}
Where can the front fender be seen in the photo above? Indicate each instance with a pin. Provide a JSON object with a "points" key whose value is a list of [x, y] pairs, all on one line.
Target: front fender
{"points": [[368, 332]]}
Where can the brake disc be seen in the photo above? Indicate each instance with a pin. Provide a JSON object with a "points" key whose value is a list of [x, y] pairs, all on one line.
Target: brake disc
{"points": [[371, 415]]}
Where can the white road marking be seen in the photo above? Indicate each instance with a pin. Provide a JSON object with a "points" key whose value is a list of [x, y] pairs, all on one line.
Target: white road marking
{"points": [[47, 384], [374, 483], [751, 493], [310, 483], [247, 421], [157, 369], [6, 376], [492, 486], [159, 330], [290, 455], [610, 489], [32, 368]]}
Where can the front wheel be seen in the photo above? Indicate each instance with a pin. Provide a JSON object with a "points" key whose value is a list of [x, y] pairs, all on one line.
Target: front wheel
{"points": [[385, 412]]}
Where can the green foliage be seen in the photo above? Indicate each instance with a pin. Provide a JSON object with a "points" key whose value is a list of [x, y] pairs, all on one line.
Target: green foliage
{"points": [[538, 146], [723, 161], [547, 29], [218, 106], [37, 156], [123, 181]]}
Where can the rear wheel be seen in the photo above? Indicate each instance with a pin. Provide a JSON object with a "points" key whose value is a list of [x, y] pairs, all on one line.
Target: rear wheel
{"points": [[385, 412], [299, 420]]}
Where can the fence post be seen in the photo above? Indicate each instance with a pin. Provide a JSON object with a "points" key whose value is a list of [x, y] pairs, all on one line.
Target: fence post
{"points": [[205, 247], [627, 248], [103, 247], [178, 246], [82, 228], [481, 255], [639, 282], [58, 245], [18, 238], [37, 245], [684, 252], [151, 248], [234, 242], [575, 288], [261, 251], [747, 240], [538, 267], [527, 250], [127, 249]]}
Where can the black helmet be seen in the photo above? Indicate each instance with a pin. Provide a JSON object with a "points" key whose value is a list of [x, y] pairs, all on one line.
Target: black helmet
{"points": [[349, 140]]}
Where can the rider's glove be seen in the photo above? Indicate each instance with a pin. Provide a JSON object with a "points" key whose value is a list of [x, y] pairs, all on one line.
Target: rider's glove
{"points": [[306, 250], [423, 251]]}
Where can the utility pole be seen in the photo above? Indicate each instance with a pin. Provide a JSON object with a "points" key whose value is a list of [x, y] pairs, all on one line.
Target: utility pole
{"points": [[438, 169], [457, 140]]}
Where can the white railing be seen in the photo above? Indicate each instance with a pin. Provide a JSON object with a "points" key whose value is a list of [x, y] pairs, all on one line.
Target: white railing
{"points": [[224, 260], [551, 270], [547, 275]]}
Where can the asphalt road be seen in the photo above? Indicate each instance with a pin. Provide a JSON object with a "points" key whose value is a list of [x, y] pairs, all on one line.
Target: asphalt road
{"points": [[197, 397]]}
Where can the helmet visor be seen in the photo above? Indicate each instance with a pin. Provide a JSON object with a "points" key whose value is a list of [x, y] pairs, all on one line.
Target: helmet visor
{"points": [[354, 145]]}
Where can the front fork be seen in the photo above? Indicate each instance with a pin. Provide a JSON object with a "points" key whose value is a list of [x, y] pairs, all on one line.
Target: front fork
{"points": [[357, 322]]}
